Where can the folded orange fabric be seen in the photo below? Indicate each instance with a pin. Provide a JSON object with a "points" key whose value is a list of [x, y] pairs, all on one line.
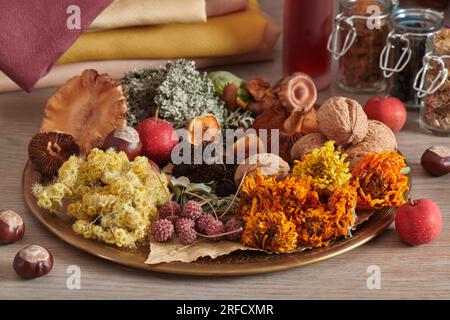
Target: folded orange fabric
{"points": [[233, 34]]}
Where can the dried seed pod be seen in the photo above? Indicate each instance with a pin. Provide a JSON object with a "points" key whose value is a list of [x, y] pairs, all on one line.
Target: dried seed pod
{"points": [[269, 164], [342, 120], [307, 144], [297, 92], [48, 151]]}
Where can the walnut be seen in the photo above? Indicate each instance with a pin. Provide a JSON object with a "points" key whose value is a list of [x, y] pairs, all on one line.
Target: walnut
{"points": [[306, 144], [342, 120], [379, 138], [88, 107], [269, 164]]}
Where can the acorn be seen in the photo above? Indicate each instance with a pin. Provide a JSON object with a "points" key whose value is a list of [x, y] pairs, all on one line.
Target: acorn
{"points": [[47, 151]]}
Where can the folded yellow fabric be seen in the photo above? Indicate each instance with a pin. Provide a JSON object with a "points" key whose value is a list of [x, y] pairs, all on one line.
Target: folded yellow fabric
{"points": [[126, 13], [232, 34]]}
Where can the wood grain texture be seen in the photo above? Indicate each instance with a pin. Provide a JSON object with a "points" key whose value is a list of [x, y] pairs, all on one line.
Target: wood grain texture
{"points": [[406, 272]]}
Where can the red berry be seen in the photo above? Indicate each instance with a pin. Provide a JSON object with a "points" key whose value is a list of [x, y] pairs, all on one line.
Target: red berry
{"points": [[419, 222]]}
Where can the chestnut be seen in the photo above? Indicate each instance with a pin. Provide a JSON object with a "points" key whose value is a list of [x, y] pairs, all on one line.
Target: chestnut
{"points": [[124, 139], [12, 227], [436, 161], [33, 261]]}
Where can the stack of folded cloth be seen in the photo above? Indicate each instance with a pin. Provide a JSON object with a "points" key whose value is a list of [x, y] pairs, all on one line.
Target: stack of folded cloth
{"points": [[133, 34]]}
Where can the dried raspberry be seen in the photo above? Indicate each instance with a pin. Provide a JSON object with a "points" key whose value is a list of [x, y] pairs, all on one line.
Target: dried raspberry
{"points": [[187, 236], [183, 223], [169, 209], [233, 225], [202, 222], [192, 210], [162, 230], [215, 227]]}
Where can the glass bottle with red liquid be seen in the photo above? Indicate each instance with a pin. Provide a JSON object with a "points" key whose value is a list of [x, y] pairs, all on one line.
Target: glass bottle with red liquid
{"points": [[307, 27]]}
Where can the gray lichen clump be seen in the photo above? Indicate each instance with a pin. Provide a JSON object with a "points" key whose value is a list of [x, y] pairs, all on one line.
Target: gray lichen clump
{"points": [[178, 90]]}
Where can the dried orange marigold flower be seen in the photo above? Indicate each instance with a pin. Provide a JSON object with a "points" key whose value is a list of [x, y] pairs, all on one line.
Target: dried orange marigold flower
{"points": [[380, 180]]}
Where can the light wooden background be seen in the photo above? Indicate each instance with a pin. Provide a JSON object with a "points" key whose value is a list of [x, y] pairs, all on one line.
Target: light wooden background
{"points": [[406, 272]]}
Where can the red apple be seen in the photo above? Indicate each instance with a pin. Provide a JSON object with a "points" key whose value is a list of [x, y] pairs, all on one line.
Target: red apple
{"points": [[158, 139], [418, 221], [389, 110]]}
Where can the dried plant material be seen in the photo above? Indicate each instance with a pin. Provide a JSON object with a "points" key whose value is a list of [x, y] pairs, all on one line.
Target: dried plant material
{"points": [[307, 144], [326, 166], [177, 252], [379, 138], [342, 120], [88, 107], [309, 122], [203, 129], [297, 92], [380, 181], [269, 164], [48, 151]]}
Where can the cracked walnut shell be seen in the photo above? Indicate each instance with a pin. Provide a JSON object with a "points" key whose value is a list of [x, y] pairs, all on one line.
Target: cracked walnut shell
{"points": [[342, 120], [379, 138], [88, 107]]}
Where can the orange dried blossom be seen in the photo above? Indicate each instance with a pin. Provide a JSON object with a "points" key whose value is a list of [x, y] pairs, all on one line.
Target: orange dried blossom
{"points": [[380, 181]]}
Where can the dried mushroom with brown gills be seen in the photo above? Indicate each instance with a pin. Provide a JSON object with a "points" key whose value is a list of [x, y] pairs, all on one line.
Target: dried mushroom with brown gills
{"points": [[88, 107], [49, 150], [343, 121], [289, 107], [379, 138], [203, 129], [269, 164], [307, 144]]}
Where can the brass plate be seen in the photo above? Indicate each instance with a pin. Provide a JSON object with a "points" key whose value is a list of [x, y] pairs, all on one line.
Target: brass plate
{"points": [[235, 264]]}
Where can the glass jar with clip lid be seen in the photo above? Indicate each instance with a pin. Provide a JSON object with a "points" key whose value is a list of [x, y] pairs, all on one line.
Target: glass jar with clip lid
{"points": [[401, 58], [432, 84], [358, 38]]}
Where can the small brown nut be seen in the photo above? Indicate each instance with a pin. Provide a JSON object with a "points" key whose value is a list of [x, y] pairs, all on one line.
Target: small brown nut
{"points": [[33, 261], [436, 161], [12, 227], [342, 120], [307, 144], [379, 138], [269, 164], [124, 139]]}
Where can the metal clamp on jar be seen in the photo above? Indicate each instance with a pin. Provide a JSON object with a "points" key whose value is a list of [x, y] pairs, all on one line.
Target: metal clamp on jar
{"points": [[432, 84], [359, 34], [402, 56]]}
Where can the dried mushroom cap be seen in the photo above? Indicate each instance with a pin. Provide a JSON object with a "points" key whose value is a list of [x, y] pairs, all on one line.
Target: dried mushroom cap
{"points": [[203, 129], [342, 120], [379, 138], [307, 144], [48, 151], [269, 164], [297, 92], [88, 107]]}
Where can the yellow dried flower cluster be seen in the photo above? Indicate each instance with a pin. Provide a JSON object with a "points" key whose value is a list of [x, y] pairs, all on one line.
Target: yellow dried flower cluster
{"points": [[112, 199], [326, 166]]}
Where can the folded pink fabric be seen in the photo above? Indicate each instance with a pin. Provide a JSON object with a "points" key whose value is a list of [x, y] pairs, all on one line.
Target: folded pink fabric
{"points": [[34, 34], [215, 8]]}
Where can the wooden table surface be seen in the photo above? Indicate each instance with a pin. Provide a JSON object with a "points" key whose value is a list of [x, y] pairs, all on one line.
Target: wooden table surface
{"points": [[421, 272]]}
